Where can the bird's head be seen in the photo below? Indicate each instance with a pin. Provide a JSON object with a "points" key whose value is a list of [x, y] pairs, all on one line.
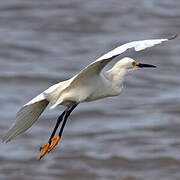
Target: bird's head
{"points": [[125, 66], [131, 64]]}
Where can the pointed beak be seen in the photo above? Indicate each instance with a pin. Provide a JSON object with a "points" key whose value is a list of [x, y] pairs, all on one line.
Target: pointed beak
{"points": [[145, 65]]}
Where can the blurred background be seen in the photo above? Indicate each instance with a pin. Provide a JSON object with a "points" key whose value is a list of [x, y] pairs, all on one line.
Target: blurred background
{"points": [[135, 136]]}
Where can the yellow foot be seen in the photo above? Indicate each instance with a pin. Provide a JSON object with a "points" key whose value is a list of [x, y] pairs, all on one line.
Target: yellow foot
{"points": [[45, 149], [54, 141]]}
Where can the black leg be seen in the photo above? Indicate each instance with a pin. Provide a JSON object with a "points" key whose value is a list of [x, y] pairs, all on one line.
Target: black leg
{"points": [[59, 120], [68, 112], [47, 147]]}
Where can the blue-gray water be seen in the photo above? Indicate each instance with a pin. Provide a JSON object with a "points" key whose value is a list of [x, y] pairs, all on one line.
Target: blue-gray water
{"points": [[133, 136]]}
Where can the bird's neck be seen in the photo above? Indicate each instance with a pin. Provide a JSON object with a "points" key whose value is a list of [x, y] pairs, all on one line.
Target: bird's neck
{"points": [[117, 76]]}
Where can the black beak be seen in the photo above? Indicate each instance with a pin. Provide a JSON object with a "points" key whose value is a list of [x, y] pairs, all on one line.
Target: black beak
{"points": [[146, 65]]}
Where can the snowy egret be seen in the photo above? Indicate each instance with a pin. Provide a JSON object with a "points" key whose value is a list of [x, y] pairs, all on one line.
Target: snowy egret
{"points": [[88, 85]]}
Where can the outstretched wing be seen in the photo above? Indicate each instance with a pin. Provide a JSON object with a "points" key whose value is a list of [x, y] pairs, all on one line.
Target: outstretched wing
{"points": [[26, 117], [96, 67]]}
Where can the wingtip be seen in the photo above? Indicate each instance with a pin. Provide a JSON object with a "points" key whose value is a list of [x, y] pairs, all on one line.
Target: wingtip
{"points": [[4, 140], [173, 37]]}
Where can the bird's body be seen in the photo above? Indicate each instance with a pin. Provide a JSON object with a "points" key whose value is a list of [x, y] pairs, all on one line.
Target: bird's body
{"points": [[93, 88], [88, 85]]}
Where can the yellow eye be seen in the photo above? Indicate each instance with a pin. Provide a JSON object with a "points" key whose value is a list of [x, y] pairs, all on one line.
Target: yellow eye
{"points": [[134, 63]]}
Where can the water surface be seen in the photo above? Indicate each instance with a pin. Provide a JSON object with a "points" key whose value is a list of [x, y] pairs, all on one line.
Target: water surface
{"points": [[133, 136]]}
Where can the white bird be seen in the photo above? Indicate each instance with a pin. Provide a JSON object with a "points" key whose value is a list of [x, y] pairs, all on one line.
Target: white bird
{"points": [[88, 85]]}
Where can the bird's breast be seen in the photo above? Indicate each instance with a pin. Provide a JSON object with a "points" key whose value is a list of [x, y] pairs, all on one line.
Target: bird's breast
{"points": [[78, 94], [104, 89]]}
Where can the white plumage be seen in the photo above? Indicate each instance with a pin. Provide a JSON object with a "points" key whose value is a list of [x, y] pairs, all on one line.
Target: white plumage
{"points": [[89, 85]]}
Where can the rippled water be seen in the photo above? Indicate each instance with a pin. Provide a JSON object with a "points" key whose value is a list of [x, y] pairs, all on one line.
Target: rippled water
{"points": [[133, 136]]}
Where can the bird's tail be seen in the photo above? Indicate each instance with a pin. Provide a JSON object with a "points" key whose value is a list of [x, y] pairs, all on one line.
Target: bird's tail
{"points": [[26, 117]]}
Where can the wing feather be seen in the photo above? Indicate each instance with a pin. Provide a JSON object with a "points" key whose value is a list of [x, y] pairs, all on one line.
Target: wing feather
{"points": [[96, 67], [26, 117]]}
